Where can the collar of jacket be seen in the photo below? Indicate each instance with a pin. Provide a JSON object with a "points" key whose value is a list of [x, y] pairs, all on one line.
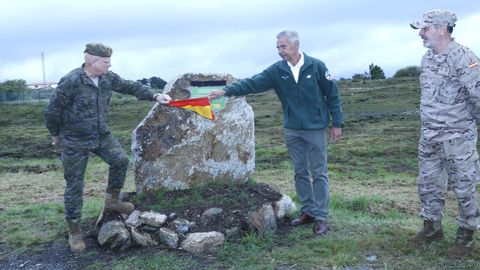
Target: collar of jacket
{"points": [[86, 79], [443, 55], [307, 61]]}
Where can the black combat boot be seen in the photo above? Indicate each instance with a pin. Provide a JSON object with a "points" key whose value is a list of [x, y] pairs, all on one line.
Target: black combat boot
{"points": [[463, 245], [432, 231]]}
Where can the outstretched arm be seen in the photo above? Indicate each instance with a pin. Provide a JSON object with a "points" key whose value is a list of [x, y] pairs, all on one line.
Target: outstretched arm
{"points": [[216, 94]]}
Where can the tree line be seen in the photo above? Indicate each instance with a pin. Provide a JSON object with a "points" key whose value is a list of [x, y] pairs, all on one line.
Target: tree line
{"points": [[375, 72], [16, 85]]}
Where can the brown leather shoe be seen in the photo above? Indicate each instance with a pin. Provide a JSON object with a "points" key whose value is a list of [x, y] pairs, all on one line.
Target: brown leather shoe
{"points": [[303, 219], [320, 227]]}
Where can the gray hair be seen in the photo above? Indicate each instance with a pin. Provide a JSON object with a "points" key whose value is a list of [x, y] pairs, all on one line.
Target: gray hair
{"points": [[290, 34], [449, 28]]}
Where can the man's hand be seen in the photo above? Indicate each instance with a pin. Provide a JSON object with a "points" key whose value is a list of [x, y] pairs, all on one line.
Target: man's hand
{"points": [[335, 134], [55, 140], [162, 98], [216, 94]]}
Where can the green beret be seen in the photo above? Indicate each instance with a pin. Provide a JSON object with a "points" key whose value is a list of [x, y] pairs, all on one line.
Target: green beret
{"points": [[98, 49]]}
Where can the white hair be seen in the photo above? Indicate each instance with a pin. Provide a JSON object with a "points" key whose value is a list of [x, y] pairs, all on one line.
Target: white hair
{"points": [[290, 34]]}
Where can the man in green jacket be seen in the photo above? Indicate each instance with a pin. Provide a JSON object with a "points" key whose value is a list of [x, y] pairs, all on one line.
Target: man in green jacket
{"points": [[310, 98], [76, 117]]}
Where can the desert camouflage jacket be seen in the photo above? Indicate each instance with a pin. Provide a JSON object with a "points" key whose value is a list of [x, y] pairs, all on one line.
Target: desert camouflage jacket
{"points": [[77, 111], [450, 95]]}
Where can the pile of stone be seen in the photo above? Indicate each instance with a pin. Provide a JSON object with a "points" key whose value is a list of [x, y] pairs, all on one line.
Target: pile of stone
{"points": [[176, 149], [150, 228]]}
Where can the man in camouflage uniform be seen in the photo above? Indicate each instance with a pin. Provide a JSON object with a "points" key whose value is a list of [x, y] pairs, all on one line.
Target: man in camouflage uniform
{"points": [[76, 117], [450, 81]]}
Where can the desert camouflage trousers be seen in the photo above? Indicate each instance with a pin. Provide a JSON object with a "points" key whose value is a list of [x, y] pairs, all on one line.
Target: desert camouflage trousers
{"points": [[74, 165], [453, 163]]}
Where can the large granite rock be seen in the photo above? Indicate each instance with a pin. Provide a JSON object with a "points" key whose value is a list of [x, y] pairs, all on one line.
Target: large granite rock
{"points": [[175, 148], [203, 242]]}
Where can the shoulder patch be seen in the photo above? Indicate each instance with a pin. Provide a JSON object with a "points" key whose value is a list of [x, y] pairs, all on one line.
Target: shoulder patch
{"points": [[328, 76]]}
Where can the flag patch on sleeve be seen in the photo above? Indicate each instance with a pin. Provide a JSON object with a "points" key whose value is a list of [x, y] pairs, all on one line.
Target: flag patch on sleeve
{"points": [[472, 65]]}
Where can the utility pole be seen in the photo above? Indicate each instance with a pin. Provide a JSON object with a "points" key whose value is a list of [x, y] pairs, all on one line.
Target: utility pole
{"points": [[43, 72], [43, 69]]}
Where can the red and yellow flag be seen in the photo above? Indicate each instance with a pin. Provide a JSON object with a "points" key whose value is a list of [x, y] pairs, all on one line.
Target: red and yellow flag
{"points": [[198, 105]]}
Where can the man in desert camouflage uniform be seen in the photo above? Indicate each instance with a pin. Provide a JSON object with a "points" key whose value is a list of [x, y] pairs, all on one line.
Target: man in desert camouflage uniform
{"points": [[450, 81], [76, 117]]}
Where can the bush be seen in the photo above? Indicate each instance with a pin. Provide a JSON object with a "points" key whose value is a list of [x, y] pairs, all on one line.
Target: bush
{"points": [[154, 82], [359, 77], [376, 72], [13, 85], [411, 71]]}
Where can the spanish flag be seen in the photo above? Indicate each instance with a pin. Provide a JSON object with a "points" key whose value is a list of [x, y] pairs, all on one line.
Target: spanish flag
{"points": [[198, 105]]}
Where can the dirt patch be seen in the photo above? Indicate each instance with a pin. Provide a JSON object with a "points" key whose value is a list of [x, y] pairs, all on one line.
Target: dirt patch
{"points": [[235, 200], [29, 149], [29, 168]]}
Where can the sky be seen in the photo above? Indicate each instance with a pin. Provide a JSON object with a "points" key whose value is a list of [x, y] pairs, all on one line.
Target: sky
{"points": [[167, 38]]}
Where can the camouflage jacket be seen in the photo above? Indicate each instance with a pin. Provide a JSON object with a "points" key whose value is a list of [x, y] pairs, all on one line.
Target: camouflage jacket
{"points": [[450, 95], [77, 111]]}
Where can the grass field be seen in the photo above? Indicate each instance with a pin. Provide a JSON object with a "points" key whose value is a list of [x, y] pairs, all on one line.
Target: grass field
{"points": [[373, 174]]}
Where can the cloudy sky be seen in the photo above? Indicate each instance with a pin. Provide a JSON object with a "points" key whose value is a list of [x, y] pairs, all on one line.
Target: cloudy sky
{"points": [[166, 38]]}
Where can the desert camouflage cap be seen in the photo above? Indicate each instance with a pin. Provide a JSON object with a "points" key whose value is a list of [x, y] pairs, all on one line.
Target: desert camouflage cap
{"points": [[437, 16], [98, 49]]}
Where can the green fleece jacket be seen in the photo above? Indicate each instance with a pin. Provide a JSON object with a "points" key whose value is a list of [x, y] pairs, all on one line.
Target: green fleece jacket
{"points": [[308, 104]]}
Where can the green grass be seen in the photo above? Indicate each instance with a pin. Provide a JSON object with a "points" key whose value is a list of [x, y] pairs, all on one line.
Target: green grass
{"points": [[16, 223], [164, 260], [360, 203], [373, 171], [200, 196]]}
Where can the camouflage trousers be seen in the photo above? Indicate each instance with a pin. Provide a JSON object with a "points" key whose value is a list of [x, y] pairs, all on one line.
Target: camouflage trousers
{"points": [[75, 162], [453, 163]]}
